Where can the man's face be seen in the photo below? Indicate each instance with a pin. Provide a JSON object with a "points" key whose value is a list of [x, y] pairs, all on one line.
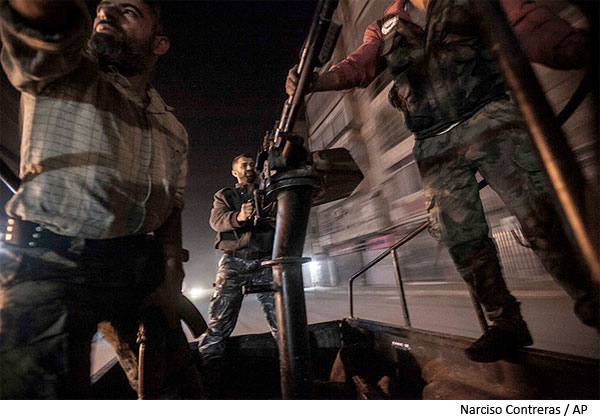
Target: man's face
{"points": [[244, 170], [123, 35]]}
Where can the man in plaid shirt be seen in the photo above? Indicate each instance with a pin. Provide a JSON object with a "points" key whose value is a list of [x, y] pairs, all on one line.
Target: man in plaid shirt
{"points": [[94, 237]]}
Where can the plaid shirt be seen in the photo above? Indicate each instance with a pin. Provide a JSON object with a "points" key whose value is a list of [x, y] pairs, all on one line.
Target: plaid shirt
{"points": [[96, 162]]}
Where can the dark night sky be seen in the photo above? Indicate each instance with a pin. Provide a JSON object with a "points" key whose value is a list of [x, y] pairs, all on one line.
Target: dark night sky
{"points": [[225, 76]]}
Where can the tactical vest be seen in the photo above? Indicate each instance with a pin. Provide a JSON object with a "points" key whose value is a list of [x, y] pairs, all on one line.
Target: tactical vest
{"points": [[442, 74]]}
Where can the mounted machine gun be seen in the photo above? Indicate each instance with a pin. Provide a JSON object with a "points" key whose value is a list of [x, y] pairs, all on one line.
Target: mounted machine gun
{"points": [[299, 179]]}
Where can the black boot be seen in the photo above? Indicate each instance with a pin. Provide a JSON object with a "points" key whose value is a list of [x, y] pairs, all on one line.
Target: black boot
{"points": [[588, 312], [498, 343]]}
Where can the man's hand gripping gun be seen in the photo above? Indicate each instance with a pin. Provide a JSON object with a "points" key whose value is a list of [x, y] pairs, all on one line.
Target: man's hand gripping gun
{"points": [[284, 160]]}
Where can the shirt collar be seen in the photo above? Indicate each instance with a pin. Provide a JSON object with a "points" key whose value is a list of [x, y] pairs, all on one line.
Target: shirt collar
{"points": [[156, 105], [240, 184]]}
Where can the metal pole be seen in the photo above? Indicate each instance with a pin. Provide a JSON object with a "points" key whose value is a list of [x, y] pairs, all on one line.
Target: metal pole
{"points": [[569, 187], [478, 311], [351, 297], [293, 208], [400, 288], [141, 339]]}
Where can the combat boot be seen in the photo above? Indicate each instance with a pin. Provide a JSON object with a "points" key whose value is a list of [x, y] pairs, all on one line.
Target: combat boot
{"points": [[588, 312], [497, 343]]}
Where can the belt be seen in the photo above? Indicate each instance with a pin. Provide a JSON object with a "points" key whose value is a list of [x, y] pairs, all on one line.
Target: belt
{"points": [[247, 254], [32, 235]]}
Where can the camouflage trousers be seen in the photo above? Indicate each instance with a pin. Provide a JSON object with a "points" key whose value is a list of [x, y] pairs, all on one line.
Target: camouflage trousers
{"points": [[494, 142], [226, 302], [53, 302]]}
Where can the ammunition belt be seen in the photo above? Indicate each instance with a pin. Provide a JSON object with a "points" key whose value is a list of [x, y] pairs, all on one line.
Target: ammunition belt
{"points": [[32, 235]]}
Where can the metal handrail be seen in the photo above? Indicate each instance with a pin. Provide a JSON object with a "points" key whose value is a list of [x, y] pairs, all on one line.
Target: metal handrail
{"points": [[380, 257], [392, 250]]}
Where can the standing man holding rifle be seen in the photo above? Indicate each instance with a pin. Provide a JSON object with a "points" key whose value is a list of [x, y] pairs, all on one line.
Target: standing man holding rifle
{"points": [[452, 96], [245, 226], [94, 234]]}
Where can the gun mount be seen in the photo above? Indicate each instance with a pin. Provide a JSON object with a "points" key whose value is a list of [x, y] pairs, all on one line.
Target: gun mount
{"points": [[299, 179]]}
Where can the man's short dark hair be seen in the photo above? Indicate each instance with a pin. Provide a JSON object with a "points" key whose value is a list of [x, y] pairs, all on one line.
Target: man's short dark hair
{"points": [[243, 155], [158, 27]]}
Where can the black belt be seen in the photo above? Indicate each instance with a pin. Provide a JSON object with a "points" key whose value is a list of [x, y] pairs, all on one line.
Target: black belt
{"points": [[247, 254], [32, 235]]}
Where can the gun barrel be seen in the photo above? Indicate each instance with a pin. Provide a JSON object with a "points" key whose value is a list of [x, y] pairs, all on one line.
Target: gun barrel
{"points": [[309, 60]]}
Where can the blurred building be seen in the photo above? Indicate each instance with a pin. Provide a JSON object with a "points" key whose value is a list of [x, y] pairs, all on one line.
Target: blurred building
{"points": [[390, 202]]}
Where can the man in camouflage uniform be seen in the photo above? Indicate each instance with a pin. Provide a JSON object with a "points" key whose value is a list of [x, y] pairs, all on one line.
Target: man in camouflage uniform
{"points": [[246, 241], [452, 96]]}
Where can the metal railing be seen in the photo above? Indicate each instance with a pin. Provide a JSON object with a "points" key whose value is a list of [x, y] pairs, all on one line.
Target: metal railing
{"points": [[392, 250]]}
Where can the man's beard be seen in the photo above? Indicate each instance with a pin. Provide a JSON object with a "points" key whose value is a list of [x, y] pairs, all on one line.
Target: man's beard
{"points": [[244, 179], [249, 178], [130, 57]]}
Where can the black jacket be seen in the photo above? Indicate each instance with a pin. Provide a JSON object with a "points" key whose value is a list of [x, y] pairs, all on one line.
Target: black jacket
{"points": [[245, 240]]}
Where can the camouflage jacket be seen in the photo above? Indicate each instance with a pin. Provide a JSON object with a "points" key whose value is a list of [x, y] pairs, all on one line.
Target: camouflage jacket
{"points": [[443, 73]]}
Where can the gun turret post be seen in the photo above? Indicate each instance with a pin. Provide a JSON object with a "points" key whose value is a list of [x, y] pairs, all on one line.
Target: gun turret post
{"points": [[293, 207], [289, 174]]}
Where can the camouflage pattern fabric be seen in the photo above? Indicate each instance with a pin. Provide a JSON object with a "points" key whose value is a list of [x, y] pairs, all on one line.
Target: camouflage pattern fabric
{"points": [[494, 142], [51, 304], [442, 74], [226, 302]]}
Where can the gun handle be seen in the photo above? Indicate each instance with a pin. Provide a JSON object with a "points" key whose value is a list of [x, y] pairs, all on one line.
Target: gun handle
{"points": [[256, 206]]}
